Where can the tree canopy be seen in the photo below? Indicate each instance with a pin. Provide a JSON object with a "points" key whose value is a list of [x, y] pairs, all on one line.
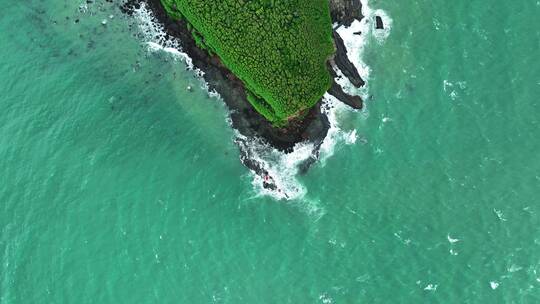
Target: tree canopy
{"points": [[278, 48]]}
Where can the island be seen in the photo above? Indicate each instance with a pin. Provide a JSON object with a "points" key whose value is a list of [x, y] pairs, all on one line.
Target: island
{"points": [[271, 61]]}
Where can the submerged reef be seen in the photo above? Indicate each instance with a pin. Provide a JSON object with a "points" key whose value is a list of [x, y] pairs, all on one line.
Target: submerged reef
{"points": [[280, 116]]}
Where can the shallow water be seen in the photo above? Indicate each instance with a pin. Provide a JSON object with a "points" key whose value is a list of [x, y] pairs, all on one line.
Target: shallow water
{"points": [[120, 186]]}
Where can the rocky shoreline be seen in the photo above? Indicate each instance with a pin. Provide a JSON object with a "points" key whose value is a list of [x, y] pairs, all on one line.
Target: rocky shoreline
{"points": [[314, 125]]}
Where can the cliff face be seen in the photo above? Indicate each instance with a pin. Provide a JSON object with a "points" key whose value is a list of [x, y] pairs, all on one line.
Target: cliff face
{"points": [[344, 12]]}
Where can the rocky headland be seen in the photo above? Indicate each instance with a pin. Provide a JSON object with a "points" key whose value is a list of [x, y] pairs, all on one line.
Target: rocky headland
{"points": [[311, 127]]}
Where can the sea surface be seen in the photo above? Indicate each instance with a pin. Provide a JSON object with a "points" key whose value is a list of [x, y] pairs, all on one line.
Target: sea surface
{"points": [[119, 185]]}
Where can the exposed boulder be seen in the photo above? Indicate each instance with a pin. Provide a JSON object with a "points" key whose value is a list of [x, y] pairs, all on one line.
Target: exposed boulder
{"points": [[344, 64], [379, 23]]}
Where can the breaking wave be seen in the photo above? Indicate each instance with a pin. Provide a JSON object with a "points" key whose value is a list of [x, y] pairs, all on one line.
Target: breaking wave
{"points": [[157, 40]]}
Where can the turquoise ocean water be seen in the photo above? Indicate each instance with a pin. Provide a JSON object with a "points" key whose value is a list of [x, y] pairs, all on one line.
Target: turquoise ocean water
{"points": [[119, 186]]}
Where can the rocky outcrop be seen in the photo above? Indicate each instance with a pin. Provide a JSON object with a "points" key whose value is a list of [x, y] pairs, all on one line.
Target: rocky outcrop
{"points": [[379, 23], [336, 90], [344, 12], [344, 64]]}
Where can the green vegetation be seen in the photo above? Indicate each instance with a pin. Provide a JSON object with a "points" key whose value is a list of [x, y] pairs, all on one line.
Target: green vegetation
{"points": [[278, 48]]}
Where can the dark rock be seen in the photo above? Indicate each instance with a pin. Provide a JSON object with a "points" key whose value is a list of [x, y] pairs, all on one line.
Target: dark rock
{"points": [[345, 12], [344, 64], [336, 90], [379, 23], [354, 102]]}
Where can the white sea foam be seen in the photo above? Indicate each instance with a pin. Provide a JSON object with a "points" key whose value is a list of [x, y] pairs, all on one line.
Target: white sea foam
{"points": [[500, 215], [83, 7], [514, 268], [326, 299], [454, 89], [381, 35], [283, 168], [451, 240], [346, 84], [355, 45], [333, 108], [155, 38]]}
